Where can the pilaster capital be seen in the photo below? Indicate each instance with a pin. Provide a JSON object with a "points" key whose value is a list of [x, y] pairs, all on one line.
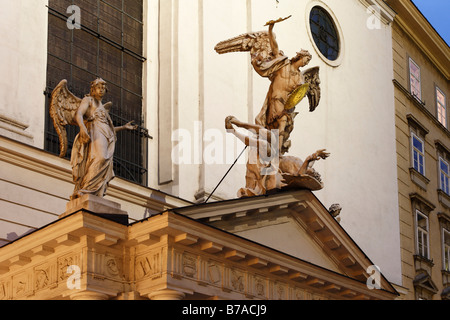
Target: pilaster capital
{"points": [[166, 294]]}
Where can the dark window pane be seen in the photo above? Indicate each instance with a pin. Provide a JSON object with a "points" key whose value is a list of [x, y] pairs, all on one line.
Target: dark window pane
{"points": [[324, 33]]}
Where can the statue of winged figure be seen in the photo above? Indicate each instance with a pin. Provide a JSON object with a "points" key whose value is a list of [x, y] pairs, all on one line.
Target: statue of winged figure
{"points": [[93, 148], [288, 84]]}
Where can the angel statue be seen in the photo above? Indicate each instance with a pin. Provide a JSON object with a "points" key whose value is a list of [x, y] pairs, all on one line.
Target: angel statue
{"points": [[93, 148], [288, 84]]}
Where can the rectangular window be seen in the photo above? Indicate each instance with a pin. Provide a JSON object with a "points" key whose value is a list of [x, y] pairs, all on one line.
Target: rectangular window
{"points": [[441, 107], [446, 248], [418, 154], [109, 45], [422, 245], [444, 175], [414, 76]]}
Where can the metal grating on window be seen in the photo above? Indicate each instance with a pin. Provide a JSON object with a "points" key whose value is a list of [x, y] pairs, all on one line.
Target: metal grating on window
{"points": [[108, 45], [324, 33]]}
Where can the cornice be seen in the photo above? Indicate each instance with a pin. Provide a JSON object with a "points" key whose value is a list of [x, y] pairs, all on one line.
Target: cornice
{"points": [[42, 162], [410, 19], [385, 13], [165, 251], [305, 209], [421, 107]]}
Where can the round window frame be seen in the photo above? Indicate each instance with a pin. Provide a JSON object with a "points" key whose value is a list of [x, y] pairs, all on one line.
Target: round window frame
{"points": [[334, 20]]}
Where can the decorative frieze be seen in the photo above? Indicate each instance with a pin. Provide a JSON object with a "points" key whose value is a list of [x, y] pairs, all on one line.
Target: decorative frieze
{"points": [[149, 265]]}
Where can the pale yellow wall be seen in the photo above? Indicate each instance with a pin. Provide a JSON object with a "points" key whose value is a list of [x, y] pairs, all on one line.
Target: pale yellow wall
{"points": [[405, 46]]}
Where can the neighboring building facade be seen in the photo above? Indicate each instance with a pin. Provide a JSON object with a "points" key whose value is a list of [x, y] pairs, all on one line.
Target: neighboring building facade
{"points": [[421, 82]]}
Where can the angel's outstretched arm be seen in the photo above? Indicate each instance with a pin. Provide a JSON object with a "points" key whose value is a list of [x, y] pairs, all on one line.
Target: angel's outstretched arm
{"points": [[79, 119], [273, 41], [129, 126]]}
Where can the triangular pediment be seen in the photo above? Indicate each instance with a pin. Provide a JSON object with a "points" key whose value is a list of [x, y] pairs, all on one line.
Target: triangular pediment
{"points": [[424, 281], [295, 223]]}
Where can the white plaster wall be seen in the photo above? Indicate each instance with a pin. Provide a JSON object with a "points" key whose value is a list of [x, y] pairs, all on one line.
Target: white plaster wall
{"points": [[23, 65]]}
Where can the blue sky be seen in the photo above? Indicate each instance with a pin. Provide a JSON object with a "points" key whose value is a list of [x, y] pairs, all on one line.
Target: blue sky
{"points": [[437, 13]]}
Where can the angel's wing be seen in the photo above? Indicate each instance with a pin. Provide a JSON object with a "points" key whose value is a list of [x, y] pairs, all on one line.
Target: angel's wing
{"points": [[264, 61], [254, 42], [312, 78], [63, 107]]}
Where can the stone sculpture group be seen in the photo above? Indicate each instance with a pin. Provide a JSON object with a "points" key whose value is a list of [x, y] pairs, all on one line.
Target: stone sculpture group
{"points": [[268, 167]]}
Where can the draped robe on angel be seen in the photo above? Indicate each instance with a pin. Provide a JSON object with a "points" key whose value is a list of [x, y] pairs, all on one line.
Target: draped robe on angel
{"points": [[92, 162]]}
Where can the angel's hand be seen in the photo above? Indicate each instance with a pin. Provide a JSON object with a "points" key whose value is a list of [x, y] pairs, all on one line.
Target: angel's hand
{"points": [[273, 22], [130, 126], [322, 154], [84, 136], [228, 124]]}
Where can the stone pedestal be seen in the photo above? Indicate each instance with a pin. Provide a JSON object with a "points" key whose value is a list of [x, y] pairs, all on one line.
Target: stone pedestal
{"points": [[100, 206]]}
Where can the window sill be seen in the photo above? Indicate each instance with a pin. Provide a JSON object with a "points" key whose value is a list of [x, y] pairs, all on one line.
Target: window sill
{"points": [[422, 263], [444, 198], [419, 179]]}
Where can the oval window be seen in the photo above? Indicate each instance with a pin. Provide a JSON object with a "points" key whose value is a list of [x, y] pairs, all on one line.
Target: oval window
{"points": [[324, 32]]}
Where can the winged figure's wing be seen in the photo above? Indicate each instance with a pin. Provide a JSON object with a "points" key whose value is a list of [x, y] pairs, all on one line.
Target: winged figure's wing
{"points": [[63, 107], [312, 78], [254, 42], [264, 61]]}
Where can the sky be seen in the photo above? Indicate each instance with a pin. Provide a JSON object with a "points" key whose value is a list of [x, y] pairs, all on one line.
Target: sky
{"points": [[437, 13]]}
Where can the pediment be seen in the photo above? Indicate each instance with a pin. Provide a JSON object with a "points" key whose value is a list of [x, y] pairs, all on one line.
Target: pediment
{"points": [[295, 223], [424, 281]]}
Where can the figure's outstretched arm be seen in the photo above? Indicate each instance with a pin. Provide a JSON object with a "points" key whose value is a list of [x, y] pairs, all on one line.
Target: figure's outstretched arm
{"points": [[272, 38], [273, 41], [310, 160], [129, 126]]}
